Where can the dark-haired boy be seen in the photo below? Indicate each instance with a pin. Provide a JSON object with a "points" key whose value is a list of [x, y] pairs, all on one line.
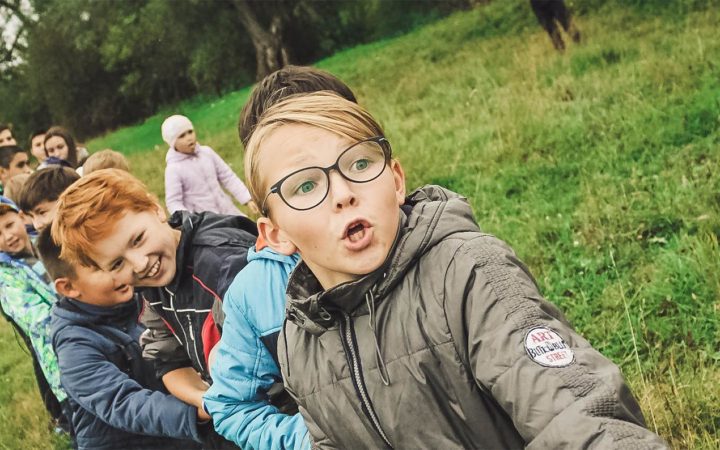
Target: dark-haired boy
{"points": [[289, 80], [37, 145], [13, 161], [41, 191], [115, 399]]}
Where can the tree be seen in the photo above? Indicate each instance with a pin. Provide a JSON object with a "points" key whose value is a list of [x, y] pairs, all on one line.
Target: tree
{"points": [[271, 53], [14, 18]]}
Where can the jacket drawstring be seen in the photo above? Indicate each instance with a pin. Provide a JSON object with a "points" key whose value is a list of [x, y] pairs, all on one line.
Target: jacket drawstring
{"points": [[370, 301], [287, 358]]}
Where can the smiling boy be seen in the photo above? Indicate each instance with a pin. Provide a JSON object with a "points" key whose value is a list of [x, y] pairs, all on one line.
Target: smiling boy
{"points": [[114, 397], [26, 298], [407, 326], [183, 266]]}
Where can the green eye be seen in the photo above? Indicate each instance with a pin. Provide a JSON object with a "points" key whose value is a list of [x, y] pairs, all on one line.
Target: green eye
{"points": [[306, 187], [361, 164]]}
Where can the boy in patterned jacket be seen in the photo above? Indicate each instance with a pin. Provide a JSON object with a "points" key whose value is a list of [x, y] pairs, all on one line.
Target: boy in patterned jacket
{"points": [[26, 298]]}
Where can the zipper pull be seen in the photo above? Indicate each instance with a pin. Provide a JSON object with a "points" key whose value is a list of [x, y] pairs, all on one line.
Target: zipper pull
{"points": [[192, 336]]}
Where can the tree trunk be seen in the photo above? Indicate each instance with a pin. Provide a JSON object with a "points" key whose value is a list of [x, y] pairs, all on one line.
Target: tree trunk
{"points": [[14, 8], [270, 52]]}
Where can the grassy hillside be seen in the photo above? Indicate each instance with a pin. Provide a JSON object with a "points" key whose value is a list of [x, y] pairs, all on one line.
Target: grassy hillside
{"points": [[599, 166]]}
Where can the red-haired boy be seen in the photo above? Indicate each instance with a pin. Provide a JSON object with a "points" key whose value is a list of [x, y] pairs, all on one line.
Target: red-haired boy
{"points": [[183, 266]]}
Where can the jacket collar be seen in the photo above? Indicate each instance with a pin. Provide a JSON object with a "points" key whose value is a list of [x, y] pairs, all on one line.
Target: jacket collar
{"points": [[80, 312], [206, 229], [429, 215], [175, 156]]}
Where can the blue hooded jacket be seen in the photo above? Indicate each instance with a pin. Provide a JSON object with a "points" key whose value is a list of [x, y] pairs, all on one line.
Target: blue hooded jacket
{"points": [[245, 368], [111, 408]]}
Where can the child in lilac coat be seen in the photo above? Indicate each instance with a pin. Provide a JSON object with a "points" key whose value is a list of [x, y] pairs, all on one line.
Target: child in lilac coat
{"points": [[195, 175]]}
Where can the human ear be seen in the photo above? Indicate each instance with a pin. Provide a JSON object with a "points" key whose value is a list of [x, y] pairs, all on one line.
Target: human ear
{"points": [[275, 237], [399, 179], [162, 215], [65, 287]]}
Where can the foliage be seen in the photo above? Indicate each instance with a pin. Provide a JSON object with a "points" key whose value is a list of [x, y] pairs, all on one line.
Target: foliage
{"points": [[95, 65], [599, 166]]}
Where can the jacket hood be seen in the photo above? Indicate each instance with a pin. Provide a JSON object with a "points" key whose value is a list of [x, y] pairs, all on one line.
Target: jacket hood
{"points": [[71, 311], [429, 215], [175, 156], [203, 229], [270, 254]]}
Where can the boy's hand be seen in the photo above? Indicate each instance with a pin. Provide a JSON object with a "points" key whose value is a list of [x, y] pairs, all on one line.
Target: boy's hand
{"points": [[186, 385], [202, 415]]}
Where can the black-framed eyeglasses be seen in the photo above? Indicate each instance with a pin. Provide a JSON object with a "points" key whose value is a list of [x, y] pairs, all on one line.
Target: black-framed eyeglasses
{"points": [[306, 188]]}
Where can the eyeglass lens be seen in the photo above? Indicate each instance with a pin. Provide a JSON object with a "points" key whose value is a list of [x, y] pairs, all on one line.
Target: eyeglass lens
{"points": [[307, 188]]}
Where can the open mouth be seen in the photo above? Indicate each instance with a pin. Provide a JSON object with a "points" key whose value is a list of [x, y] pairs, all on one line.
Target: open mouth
{"points": [[358, 235], [355, 232], [153, 270]]}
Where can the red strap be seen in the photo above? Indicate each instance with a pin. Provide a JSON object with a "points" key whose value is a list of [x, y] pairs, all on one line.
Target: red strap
{"points": [[210, 336]]}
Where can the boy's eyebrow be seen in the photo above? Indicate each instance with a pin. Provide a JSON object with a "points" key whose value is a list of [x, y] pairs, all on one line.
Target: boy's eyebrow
{"points": [[301, 158]]}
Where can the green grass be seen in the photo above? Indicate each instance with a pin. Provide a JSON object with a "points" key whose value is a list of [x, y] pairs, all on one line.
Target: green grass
{"points": [[600, 167], [24, 423]]}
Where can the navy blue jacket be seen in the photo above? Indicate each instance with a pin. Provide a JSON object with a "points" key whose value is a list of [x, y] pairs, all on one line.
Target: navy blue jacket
{"points": [[112, 405], [181, 326]]}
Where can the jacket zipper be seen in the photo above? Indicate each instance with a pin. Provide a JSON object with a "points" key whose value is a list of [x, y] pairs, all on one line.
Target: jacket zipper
{"points": [[185, 335], [179, 322], [194, 344], [352, 354]]}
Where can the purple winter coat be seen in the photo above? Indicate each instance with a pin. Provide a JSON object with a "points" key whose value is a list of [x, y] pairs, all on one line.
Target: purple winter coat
{"points": [[193, 182]]}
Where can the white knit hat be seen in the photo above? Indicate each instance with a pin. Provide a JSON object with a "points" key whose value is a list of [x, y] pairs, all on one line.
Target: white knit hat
{"points": [[173, 127]]}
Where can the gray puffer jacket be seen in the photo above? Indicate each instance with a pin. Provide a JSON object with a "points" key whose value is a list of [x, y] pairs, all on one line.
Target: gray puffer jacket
{"points": [[449, 345]]}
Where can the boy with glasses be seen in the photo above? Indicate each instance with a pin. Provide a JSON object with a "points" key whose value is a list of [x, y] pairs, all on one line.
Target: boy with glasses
{"points": [[247, 401], [408, 327]]}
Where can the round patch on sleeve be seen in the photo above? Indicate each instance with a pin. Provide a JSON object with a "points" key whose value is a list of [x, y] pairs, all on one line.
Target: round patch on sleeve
{"points": [[547, 348]]}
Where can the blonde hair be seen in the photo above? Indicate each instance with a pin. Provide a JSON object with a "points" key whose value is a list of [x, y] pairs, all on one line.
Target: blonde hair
{"points": [[106, 159], [323, 110], [15, 185]]}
